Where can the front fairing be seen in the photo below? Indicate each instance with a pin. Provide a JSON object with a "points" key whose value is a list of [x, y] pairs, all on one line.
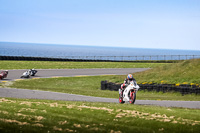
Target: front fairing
{"points": [[133, 85]]}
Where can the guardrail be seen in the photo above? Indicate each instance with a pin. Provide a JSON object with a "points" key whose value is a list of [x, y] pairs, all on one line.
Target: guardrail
{"points": [[135, 58], [145, 58], [182, 88]]}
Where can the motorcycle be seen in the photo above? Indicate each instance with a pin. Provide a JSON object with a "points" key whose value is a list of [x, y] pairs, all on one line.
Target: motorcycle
{"points": [[129, 93], [3, 74], [26, 74], [32, 72]]}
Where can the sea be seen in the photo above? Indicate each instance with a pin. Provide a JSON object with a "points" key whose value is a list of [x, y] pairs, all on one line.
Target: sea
{"points": [[93, 52]]}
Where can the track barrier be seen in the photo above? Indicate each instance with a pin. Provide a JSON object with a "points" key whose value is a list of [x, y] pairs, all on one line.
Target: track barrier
{"points": [[182, 88], [150, 58]]}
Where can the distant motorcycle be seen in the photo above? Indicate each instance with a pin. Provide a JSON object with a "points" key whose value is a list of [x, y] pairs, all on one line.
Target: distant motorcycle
{"points": [[26, 74], [30, 72], [3, 74], [129, 93]]}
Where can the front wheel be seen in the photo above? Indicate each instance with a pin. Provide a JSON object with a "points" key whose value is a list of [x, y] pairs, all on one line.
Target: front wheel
{"points": [[132, 97], [121, 99]]}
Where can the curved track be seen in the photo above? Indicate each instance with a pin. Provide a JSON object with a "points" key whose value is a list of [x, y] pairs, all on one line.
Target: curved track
{"points": [[36, 94], [43, 73]]}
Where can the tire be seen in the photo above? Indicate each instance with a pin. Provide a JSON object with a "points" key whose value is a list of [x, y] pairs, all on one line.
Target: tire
{"points": [[132, 98], [121, 99]]}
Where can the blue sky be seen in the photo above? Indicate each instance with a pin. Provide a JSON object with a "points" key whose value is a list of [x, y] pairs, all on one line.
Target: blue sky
{"points": [[165, 24]]}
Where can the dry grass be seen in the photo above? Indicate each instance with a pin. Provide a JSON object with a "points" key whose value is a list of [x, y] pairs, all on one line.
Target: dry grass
{"points": [[56, 116]]}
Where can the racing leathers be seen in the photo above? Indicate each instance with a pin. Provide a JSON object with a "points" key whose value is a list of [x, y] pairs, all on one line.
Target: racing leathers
{"points": [[126, 83]]}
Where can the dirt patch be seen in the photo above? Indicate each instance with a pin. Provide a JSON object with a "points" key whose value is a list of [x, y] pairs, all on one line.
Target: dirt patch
{"points": [[62, 122], [155, 116], [14, 121], [97, 108], [27, 109], [37, 125], [77, 125], [57, 128], [4, 112], [7, 101]]}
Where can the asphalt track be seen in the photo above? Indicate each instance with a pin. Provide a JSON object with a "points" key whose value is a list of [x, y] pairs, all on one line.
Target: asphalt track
{"points": [[36, 94], [47, 73]]}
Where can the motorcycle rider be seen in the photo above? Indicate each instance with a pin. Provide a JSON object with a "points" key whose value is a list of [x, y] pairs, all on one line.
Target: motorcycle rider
{"points": [[127, 81]]}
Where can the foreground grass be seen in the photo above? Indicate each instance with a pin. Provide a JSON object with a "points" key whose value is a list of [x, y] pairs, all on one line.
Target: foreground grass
{"points": [[90, 85], [19, 115], [74, 65]]}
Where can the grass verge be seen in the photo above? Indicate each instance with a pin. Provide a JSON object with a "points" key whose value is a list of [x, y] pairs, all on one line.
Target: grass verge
{"points": [[20, 115], [90, 85], [73, 65], [186, 71]]}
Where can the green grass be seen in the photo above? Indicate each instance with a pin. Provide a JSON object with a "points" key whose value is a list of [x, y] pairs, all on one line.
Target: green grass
{"points": [[186, 71], [20, 115], [90, 85], [73, 65]]}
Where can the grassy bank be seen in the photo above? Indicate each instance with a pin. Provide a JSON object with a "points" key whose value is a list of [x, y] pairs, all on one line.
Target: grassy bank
{"points": [[186, 71], [18, 115], [74, 65], [90, 85]]}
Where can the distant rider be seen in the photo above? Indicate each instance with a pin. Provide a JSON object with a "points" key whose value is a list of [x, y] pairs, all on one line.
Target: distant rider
{"points": [[127, 81]]}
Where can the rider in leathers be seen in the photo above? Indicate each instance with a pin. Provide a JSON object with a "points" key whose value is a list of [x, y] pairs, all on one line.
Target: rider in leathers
{"points": [[127, 81]]}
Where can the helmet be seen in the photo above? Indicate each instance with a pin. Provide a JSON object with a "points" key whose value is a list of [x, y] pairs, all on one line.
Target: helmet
{"points": [[130, 76]]}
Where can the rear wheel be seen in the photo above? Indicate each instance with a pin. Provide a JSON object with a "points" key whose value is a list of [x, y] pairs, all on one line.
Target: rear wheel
{"points": [[132, 97]]}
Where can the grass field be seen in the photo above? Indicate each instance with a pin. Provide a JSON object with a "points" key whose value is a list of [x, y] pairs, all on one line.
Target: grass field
{"points": [[74, 65], [186, 71], [20, 115]]}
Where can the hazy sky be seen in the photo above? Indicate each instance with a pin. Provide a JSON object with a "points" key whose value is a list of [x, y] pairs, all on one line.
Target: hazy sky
{"points": [[168, 24]]}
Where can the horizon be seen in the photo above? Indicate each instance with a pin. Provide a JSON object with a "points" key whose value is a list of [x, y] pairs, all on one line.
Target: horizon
{"points": [[155, 24], [77, 45]]}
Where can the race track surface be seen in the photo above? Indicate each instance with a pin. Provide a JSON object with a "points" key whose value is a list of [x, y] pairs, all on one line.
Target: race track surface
{"points": [[43, 73], [46, 73], [36, 94]]}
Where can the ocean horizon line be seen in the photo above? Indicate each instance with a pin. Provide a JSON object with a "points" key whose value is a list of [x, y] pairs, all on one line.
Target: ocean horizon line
{"points": [[94, 46]]}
